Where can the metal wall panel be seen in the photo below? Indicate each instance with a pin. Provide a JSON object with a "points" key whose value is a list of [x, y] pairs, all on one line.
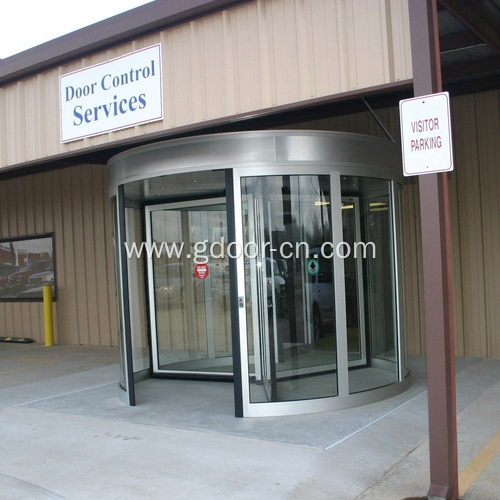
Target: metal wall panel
{"points": [[72, 203], [469, 307], [259, 55], [479, 154], [475, 222]]}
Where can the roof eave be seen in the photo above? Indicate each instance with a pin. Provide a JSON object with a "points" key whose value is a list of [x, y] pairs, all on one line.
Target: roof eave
{"points": [[150, 17]]}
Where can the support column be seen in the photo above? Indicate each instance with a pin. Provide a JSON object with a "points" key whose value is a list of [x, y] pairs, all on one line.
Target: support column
{"points": [[437, 270]]}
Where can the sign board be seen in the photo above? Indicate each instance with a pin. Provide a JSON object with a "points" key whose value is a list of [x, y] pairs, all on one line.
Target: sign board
{"points": [[201, 271], [426, 134], [312, 267], [113, 95]]}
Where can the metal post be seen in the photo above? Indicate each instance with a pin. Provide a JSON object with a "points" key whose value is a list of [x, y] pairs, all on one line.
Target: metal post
{"points": [[234, 301], [126, 330], [48, 319], [436, 252]]}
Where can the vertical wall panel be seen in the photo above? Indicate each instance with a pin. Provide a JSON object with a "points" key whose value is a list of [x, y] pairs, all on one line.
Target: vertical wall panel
{"points": [[71, 243], [488, 123], [470, 227], [412, 268], [72, 203], [475, 222], [457, 259]]}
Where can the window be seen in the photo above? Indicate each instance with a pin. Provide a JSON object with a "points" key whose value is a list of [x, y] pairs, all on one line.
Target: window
{"points": [[26, 265]]}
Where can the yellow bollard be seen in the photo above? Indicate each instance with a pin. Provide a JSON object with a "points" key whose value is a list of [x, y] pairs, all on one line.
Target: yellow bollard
{"points": [[47, 315]]}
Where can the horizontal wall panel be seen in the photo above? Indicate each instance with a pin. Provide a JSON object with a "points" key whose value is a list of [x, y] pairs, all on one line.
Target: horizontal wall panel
{"points": [[72, 204], [255, 56]]}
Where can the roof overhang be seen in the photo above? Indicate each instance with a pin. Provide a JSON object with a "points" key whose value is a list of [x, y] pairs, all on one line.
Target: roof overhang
{"points": [[147, 18]]}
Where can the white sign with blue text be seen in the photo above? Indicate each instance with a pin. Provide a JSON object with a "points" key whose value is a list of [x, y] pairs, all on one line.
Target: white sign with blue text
{"points": [[113, 95]]}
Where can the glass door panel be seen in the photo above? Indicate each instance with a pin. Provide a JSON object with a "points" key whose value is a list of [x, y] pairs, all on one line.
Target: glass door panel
{"points": [[353, 272], [381, 281], [289, 288], [190, 314], [369, 281]]}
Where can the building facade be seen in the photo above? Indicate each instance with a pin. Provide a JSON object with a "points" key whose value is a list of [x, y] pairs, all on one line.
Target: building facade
{"points": [[69, 107]]}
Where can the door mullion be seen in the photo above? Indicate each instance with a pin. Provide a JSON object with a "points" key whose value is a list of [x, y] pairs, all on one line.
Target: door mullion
{"points": [[339, 287]]}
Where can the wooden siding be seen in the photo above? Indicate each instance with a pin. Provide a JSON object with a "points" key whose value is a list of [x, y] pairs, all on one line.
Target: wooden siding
{"points": [[73, 204], [259, 55]]}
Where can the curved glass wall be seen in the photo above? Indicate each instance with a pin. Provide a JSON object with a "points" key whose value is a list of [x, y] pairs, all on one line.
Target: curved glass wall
{"points": [[270, 258], [370, 282]]}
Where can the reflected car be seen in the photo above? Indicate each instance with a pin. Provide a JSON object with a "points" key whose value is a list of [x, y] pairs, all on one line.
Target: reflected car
{"points": [[17, 281], [40, 279], [321, 296], [275, 280], [5, 272]]}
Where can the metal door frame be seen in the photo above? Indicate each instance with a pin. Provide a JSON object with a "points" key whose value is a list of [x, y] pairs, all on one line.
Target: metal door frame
{"points": [[312, 405], [148, 209], [359, 282]]}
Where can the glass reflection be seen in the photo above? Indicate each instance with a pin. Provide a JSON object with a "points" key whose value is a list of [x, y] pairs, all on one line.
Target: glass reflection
{"points": [[193, 328], [26, 266], [291, 323], [369, 281], [289, 288]]}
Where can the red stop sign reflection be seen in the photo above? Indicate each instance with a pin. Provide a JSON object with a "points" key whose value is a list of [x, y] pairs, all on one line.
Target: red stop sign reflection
{"points": [[201, 271]]}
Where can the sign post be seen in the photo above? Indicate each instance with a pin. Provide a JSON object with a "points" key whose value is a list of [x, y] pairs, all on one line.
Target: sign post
{"points": [[437, 269]]}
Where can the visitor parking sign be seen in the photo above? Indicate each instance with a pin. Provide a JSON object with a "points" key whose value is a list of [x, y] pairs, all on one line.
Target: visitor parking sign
{"points": [[426, 134]]}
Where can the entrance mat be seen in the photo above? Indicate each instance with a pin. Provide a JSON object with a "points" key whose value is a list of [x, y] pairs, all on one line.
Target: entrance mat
{"points": [[17, 340]]}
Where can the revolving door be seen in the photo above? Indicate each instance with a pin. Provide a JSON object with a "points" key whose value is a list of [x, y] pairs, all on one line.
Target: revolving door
{"points": [[190, 317], [268, 258]]}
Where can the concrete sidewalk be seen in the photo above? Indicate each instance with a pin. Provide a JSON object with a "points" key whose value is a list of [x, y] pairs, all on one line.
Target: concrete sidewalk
{"points": [[65, 434]]}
